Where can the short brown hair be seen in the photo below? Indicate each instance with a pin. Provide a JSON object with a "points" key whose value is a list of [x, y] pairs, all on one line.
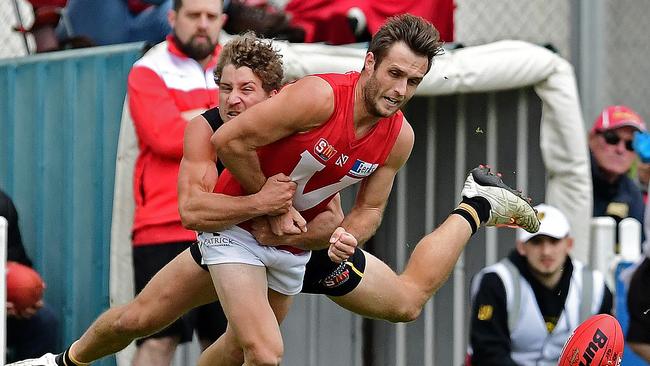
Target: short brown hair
{"points": [[256, 54], [418, 34], [177, 4]]}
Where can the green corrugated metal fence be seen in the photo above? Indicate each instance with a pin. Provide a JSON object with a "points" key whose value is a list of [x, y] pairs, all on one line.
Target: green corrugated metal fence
{"points": [[59, 124]]}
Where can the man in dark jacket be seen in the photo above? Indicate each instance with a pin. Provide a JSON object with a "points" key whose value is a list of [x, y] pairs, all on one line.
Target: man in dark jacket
{"points": [[32, 331]]}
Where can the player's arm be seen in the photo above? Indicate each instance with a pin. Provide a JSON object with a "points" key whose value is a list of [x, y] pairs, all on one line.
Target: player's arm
{"points": [[298, 107], [202, 210], [318, 231], [365, 217], [489, 335], [156, 117]]}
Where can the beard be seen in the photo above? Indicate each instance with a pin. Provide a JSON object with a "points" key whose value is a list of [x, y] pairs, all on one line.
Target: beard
{"points": [[192, 50], [370, 92]]}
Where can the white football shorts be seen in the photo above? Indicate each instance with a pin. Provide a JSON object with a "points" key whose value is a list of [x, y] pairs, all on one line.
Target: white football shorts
{"points": [[284, 270]]}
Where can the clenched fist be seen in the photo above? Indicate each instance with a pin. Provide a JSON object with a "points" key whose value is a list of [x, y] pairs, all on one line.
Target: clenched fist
{"points": [[276, 195], [342, 245]]}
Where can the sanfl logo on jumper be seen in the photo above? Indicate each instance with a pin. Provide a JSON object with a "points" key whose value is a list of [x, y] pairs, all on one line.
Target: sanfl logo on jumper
{"points": [[324, 150]]}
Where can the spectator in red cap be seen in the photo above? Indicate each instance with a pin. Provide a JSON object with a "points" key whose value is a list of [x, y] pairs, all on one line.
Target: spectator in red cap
{"points": [[612, 155]]}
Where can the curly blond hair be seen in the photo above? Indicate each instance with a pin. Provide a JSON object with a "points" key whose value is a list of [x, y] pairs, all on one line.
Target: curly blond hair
{"points": [[256, 54]]}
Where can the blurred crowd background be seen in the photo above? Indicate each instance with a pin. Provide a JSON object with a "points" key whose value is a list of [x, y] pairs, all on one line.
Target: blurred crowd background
{"points": [[603, 39]]}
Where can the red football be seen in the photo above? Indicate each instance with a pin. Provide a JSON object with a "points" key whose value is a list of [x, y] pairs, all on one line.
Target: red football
{"points": [[597, 341], [24, 286]]}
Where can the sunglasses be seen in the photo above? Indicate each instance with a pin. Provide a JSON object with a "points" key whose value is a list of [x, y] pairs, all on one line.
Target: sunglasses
{"points": [[612, 138]]}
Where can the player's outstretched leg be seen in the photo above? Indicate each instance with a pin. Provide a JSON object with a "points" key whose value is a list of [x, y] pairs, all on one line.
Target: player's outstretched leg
{"points": [[385, 295]]}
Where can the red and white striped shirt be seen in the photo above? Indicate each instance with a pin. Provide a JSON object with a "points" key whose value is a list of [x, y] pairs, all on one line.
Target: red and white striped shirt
{"points": [[163, 85]]}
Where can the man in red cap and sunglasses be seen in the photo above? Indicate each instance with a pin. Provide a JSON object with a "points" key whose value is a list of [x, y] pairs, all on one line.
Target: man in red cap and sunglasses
{"points": [[612, 155]]}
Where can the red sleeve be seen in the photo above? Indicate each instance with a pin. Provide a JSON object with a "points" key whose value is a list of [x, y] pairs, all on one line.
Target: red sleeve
{"points": [[438, 12], [156, 117]]}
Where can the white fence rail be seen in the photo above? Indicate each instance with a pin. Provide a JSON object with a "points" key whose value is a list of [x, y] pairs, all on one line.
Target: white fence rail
{"points": [[629, 232], [604, 255]]}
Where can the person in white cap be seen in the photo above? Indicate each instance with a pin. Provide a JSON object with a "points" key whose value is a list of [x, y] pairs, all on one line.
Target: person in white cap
{"points": [[525, 307]]}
